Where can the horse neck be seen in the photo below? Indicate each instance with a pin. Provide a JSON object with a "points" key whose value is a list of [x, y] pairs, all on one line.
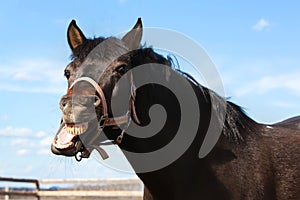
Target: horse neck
{"points": [[188, 166], [153, 95]]}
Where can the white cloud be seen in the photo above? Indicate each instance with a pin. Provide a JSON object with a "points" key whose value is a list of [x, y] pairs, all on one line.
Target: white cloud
{"points": [[19, 141], [20, 132], [13, 87], [289, 82], [261, 25], [122, 1], [26, 140], [33, 70], [40, 134], [23, 142], [37, 75], [22, 152], [285, 104], [46, 141], [4, 118]]}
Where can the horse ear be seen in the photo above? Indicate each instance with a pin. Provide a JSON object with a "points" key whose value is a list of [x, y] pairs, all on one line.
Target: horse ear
{"points": [[133, 38], [75, 35]]}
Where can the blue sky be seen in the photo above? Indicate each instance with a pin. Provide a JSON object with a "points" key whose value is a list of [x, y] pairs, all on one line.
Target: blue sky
{"points": [[254, 44]]}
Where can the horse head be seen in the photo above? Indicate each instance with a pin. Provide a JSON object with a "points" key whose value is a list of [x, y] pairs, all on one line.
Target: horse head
{"points": [[97, 64]]}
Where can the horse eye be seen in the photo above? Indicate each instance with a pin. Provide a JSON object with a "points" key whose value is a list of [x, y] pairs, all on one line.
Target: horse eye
{"points": [[67, 74], [122, 69]]}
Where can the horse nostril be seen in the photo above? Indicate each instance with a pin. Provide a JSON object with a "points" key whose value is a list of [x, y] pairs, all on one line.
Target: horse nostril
{"points": [[63, 104]]}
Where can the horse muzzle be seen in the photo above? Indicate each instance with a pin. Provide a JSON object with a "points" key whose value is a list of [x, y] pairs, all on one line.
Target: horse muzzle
{"points": [[65, 144], [70, 138]]}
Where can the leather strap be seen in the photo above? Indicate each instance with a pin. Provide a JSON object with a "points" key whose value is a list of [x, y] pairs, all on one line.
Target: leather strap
{"points": [[111, 121], [105, 121]]}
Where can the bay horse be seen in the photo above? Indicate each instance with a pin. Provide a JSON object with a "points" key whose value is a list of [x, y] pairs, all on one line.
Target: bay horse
{"points": [[249, 161]]}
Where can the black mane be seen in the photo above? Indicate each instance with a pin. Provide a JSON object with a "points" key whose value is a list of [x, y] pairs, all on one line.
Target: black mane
{"points": [[236, 123]]}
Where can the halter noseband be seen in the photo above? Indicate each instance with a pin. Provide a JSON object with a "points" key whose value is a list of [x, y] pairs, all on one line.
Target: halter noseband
{"points": [[98, 89], [105, 121]]}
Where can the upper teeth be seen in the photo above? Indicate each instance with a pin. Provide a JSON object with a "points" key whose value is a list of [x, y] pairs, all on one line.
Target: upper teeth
{"points": [[77, 129]]}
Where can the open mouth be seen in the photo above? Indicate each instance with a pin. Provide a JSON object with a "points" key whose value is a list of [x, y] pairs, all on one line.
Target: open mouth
{"points": [[68, 135], [70, 138], [74, 138]]}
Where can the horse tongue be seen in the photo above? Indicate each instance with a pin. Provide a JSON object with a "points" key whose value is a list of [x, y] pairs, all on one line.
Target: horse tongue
{"points": [[64, 137]]}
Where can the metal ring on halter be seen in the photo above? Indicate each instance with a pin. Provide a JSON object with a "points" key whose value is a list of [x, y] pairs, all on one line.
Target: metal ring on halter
{"points": [[78, 156]]}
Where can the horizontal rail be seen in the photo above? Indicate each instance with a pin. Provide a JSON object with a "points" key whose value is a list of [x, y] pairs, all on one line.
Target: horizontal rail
{"points": [[70, 181], [20, 180], [19, 193], [90, 193], [38, 192]]}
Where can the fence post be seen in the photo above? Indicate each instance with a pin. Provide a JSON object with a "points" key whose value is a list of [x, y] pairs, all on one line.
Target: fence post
{"points": [[6, 189], [37, 184]]}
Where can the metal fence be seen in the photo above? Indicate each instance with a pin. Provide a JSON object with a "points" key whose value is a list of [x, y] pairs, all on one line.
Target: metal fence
{"points": [[122, 189], [6, 192]]}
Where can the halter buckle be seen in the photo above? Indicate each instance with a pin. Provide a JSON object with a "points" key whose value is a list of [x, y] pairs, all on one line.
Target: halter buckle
{"points": [[119, 138], [102, 121]]}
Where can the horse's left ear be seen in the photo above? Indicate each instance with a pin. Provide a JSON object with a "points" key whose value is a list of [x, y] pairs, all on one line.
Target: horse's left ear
{"points": [[133, 38], [75, 35]]}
